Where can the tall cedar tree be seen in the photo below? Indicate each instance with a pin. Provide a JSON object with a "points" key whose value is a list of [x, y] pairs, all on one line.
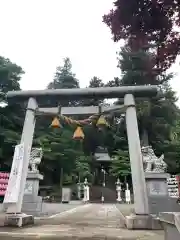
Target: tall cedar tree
{"points": [[11, 114], [152, 44], [142, 22]]}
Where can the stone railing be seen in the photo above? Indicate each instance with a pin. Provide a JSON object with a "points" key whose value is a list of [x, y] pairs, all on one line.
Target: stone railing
{"points": [[171, 225]]}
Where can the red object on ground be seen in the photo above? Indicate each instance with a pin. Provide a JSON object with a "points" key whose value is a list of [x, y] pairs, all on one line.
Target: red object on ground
{"points": [[178, 180], [4, 178]]}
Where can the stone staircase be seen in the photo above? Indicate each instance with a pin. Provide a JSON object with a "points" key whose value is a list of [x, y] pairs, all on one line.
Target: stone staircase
{"points": [[108, 192]]}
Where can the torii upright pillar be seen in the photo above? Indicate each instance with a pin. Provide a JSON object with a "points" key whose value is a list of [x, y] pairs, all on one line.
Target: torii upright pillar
{"points": [[138, 177], [141, 219], [15, 217]]}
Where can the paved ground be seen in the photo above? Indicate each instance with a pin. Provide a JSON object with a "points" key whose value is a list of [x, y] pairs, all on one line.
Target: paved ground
{"points": [[125, 209], [90, 221], [49, 209]]}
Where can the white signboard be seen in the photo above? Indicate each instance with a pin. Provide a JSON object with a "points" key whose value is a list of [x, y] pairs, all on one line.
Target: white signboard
{"points": [[128, 195], [14, 183]]}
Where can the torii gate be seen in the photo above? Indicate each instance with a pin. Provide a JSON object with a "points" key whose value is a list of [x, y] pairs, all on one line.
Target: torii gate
{"points": [[127, 93]]}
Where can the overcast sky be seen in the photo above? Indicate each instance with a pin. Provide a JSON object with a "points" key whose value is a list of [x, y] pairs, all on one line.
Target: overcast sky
{"points": [[38, 34]]}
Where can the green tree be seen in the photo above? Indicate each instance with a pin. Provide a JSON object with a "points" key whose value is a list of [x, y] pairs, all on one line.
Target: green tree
{"points": [[10, 75], [64, 78], [61, 151], [120, 166], [141, 22], [82, 167], [172, 149], [151, 46], [116, 82], [95, 82], [11, 114], [175, 134], [155, 117]]}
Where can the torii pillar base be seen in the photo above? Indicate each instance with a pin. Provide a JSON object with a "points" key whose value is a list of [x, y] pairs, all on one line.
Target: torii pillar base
{"points": [[141, 222], [18, 220]]}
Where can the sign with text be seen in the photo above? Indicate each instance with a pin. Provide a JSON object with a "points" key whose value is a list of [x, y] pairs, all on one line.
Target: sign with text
{"points": [[14, 183], [157, 188], [29, 187]]}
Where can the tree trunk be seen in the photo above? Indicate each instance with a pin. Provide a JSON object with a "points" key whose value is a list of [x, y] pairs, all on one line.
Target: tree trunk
{"points": [[145, 139], [61, 182]]}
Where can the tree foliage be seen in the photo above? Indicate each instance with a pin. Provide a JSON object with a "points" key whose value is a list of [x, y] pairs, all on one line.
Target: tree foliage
{"points": [[151, 46], [95, 82], [156, 117], [10, 75], [82, 167], [64, 78], [120, 165], [141, 22], [61, 151], [11, 115]]}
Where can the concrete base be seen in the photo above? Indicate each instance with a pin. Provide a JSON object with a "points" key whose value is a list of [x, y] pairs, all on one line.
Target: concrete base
{"points": [[171, 225], [158, 196], [142, 222], [18, 220], [2, 219], [32, 205]]}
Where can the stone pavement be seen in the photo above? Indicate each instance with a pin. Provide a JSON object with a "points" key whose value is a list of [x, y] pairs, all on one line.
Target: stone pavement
{"points": [[125, 209], [49, 209], [90, 221], [54, 208]]}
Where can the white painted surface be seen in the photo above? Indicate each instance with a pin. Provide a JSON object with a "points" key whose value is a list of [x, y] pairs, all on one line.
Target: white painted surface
{"points": [[14, 183]]}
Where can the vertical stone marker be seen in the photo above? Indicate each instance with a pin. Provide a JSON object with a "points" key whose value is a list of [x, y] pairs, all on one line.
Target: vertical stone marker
{"points": [[141, 219], [156, 182], [138, 177], [14, 183], [14, 200], [32, 203]]}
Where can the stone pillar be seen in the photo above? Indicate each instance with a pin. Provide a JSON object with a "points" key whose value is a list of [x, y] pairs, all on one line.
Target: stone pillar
{"points": [[26, 141], [86, 191], [128, 194], [32, 203], [137, 171], [156, 182], [79, 190], [103, 184], [171, 225], [157, 190], [118, 190], [87, 194], [158, 196]]}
